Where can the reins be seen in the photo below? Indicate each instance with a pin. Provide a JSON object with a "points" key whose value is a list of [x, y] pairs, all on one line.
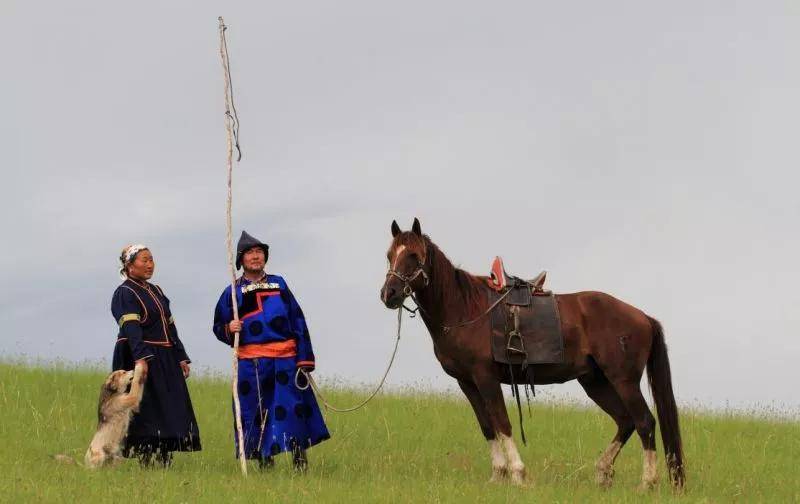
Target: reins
{"points": [[409, 291], [447, 328], [311, 383]]}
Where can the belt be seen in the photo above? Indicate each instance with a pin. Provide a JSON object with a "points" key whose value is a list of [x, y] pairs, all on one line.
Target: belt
{"points": [[286, 348]]}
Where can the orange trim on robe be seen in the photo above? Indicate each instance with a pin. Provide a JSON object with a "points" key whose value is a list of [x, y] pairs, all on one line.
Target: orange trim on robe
{"points": [[260, 300], [156, 343], [273, 349], [165, 344]]}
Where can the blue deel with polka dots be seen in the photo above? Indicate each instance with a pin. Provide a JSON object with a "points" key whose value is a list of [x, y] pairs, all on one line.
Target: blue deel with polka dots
{"points": [[276, 415], [269, 312]]}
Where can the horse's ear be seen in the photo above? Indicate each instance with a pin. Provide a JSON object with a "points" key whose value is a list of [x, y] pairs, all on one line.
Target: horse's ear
{"points": [[416, 227], [395, 229]]}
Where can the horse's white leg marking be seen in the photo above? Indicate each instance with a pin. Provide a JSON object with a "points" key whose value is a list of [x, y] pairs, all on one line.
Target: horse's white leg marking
{"points": [[649, 474], [605, 464], [515, 464], [499, 468]]}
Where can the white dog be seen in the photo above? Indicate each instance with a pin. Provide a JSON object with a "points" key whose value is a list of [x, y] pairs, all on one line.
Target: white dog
{"points": [[114, 411]]}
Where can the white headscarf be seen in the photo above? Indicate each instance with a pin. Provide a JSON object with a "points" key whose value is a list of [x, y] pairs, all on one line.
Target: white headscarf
{"points": [[129, 254]]}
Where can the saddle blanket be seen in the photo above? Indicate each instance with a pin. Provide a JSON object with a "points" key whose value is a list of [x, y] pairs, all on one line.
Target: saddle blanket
{"points": [[539, 324]]}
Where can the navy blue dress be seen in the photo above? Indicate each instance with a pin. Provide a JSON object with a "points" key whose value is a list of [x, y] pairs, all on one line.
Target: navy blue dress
{"points": [[276, 415], [166, 420]]}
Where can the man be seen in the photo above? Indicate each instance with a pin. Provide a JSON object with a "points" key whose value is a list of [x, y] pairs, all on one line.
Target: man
{"points": [[274, 346]]}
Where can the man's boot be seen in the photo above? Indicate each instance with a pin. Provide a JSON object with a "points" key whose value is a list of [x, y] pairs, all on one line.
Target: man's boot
{"points": [[265, 463], [299, 459]]}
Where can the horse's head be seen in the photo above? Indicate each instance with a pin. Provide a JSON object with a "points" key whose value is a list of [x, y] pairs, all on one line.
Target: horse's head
{"points": [[407, 255]]}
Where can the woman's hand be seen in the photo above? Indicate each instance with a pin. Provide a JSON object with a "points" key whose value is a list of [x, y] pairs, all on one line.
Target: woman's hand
{"points": [[235, 326], [185, 368]]}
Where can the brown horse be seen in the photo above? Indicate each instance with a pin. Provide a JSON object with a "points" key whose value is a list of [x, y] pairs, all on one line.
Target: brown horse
{"points": [[607, 345]]}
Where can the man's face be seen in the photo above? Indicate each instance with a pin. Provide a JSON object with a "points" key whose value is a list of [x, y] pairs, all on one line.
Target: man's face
{"points": [[253, 260]]}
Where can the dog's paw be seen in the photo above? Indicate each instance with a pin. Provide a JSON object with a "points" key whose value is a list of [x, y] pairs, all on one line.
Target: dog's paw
{"points": [[64, 459]]}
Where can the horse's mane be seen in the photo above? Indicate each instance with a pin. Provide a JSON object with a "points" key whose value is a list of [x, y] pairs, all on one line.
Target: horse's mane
{"points": [[448, 279]]}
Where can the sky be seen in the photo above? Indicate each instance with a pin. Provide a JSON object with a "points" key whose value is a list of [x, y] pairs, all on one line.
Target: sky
{"points": [[648, 150]]}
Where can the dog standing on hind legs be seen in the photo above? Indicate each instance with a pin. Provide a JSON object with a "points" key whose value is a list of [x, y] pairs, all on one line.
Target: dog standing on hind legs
{"points": [[114, 411]]}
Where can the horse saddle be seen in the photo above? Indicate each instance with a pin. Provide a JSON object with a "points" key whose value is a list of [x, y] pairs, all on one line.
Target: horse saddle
{"points": [[499, 279], [526, 327]]}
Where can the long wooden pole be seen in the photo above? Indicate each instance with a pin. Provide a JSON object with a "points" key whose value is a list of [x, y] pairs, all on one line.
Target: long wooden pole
{"points": [[229, 240]]}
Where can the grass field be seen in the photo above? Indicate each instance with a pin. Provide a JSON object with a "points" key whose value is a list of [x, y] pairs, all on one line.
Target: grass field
{"points": [[401, 448]]}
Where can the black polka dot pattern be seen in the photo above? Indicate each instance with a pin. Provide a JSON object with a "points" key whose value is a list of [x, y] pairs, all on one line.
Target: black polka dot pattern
{"points": [[244, 388], [256, 327], [275, 448], [302, 410], [278, 324], [280, 413], [282, 377]]}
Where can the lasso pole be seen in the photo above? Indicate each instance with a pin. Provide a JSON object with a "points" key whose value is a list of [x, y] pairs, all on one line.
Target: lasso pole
{"points": [[223, 52]]}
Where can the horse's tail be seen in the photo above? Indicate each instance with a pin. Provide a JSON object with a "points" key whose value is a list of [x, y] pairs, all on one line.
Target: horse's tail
{"points": [[660, 378]]}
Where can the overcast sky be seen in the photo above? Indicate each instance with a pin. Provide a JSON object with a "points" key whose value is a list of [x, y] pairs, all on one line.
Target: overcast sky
{"points": [[648, 150]]}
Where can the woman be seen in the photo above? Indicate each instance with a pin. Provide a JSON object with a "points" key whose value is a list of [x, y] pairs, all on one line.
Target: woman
{"points": [[165, 422]]}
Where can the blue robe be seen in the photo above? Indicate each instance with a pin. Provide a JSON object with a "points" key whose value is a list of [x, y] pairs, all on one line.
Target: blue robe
{"points": [[277, 416]]}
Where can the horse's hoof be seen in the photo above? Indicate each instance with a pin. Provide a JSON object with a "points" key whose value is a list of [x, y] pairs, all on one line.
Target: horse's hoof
{"points": [[604, 476], [604, 479], [499, 474], [518, 477], [645, 486]]}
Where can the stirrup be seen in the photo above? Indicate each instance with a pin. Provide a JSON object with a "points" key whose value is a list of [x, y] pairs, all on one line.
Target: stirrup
{"points": [[510, 343]]}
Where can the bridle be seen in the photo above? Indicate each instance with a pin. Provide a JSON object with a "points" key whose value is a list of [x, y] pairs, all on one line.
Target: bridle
{"points": [[407, 289], [407, 279], [409, 292]]}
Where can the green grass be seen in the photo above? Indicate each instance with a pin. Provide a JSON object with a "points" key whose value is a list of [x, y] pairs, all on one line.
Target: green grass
{"points": [[413, 447]]}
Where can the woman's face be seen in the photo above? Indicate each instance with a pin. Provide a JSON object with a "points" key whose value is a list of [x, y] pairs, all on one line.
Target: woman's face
{"points": [[142, 266]]}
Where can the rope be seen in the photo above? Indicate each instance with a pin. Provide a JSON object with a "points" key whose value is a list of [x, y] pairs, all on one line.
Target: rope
{"points": [[234, 118], [447, 328], [310, 380], [260, 408], [229, 123]]}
